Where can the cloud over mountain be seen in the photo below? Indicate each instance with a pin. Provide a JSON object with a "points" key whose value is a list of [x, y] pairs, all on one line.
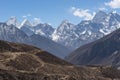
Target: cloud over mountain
{"points": [[113, 4], [82, 13]]}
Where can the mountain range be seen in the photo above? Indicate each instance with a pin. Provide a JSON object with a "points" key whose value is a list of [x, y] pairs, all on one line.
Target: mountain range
{"points": [[74, 36], [13, 34], [70, 35], [66, 36]]}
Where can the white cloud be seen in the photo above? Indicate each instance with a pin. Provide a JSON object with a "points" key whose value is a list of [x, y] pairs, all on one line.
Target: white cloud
{"points": [[113, 4], [103, 9], [24, 16], [37, 20], [28, 15], [72, 9], [85, 14]]}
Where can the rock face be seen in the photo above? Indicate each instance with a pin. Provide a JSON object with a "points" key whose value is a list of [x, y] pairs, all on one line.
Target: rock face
{"points": [[105, 51], [25, 62]]}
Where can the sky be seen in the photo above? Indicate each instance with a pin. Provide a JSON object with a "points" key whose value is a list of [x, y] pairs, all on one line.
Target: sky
{"points": [[55, 11]]}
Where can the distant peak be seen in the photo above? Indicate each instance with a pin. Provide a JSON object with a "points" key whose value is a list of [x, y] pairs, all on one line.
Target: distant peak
{"points": [[36, 21], [12, 21], [26, 23], [25, 20], [99, 16], [47, 24], [100, 12], [113, 12], [65, 25], [13, 18], [65, 21]]}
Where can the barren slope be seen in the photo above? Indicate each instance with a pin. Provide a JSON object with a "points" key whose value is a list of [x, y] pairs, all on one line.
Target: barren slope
{"points": [[24, 62]]}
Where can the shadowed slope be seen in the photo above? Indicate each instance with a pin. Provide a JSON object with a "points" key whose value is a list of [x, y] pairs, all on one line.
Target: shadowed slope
{"points": [[105, 51]]}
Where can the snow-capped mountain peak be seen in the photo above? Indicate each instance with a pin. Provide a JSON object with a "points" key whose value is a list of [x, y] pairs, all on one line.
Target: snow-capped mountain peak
{"points": [[65, 21], [45, 30], [99, 17], [46, 24], [26, 23], [26, 27], [36, 22], [113, 12], [63, 33], [100, 13], [65, 25], [12, 21]]}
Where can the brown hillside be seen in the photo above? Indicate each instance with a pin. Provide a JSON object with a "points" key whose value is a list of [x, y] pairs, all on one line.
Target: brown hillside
{"points": [[24, 62]]}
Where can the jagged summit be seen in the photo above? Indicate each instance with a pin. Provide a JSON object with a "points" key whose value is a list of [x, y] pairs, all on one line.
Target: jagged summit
{"points": [[36, 22], [65, 25], [113, 12], [65, 21], [63, 32], [26, 22], [99, 16], [12, 21]]}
